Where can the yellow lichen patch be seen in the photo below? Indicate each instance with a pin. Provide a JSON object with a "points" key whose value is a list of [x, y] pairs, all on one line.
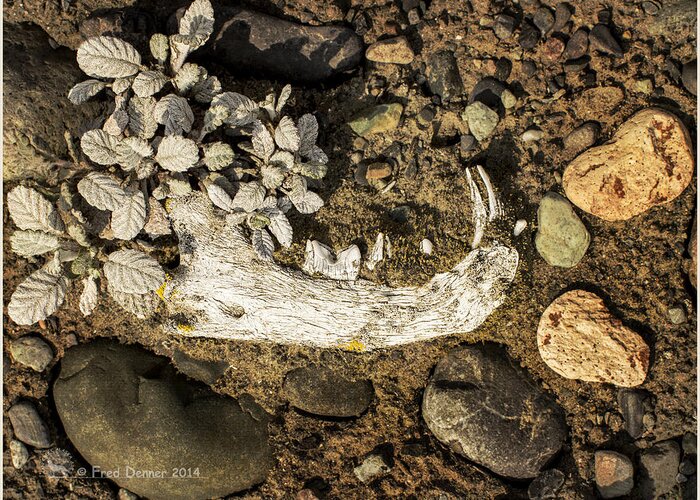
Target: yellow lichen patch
{"points": [[185, 328], [161, 289], [354, 345]]}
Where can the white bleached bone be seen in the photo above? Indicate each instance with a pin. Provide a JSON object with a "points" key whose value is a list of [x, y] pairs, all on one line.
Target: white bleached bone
{"points": [[376, 255], [222, 290], [479, 215], [320, 258], [426, 246], [495, 208]]}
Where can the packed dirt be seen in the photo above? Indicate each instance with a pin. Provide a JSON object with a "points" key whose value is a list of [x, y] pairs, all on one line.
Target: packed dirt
{"points": [[637, 266]]}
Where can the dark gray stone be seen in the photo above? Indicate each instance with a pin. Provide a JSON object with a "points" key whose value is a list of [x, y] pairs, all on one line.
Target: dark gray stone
{"points": [[690, 443], [443, 76], [124, 406], [485, 407], [37, 112], [543, 19], [546, 486], [198, 369], [659, 467], [581, 138], [631, 403], [252, 42], [602, 40], [28, 425], [487, 90], [504, 26], [321, 391], [576, 65], [467, 142], [577, 46], [529, 35], [562, 14], [689, 76], [503, 68]]}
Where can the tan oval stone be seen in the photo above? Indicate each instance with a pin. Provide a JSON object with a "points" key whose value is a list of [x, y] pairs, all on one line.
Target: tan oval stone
{"points": [[392, 50], [648, 162], [580, 339]]}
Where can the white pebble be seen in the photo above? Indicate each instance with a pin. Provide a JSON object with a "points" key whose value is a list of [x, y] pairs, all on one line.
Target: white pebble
{"points": [[19, 454], [520, 226], [426, 246], [532, 135]]}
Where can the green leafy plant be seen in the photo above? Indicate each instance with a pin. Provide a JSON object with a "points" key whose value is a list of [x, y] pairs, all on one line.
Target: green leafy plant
{"points": [[171, 128]]}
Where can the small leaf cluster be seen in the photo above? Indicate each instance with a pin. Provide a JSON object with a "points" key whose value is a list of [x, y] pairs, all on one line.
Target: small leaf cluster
{"points": [[171, 129]]}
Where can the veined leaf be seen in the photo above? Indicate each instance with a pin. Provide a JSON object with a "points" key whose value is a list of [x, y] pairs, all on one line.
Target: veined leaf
{"points": [[263, 144], [99, 146], [250, 196], [157, 223], [129, 218], [30, 210], [188, 76], [131, 151], [175, 113], [108, 57], [218, 155], [198, 21], [142, 121], [131, 271], [83, 91], [242, 110], [88, 299], [37, 297], [141, 305], [205, 90], [159, 47], [287, 135], [280, 227], [122, 84], [263, 244], [29, 243], [177, 154], [308, 133], [148, 83], [102, 191]]}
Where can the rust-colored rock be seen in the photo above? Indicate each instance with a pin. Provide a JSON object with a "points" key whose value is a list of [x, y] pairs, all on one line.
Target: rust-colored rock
{"points": [[648, 162], [580, 339]]}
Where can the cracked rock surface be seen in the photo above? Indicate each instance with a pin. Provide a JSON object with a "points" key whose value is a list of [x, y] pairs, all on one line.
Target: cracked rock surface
{"points": [[482, 405]]}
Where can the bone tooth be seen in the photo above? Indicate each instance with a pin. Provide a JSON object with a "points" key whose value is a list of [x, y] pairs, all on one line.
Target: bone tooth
{"points": [[376, 255], [479, 215]]}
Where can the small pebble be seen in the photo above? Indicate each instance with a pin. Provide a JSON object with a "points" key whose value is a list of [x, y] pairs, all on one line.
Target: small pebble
{"points": [[19, 454], [426, 246], [677, 316], [529, 68], [504, 26], [482, 120], [543, 19], [372, 467], [532, 135], [519, 227], [577, 46], [582, 137], [614, 474], [645, 86], [576, 65], [508, 99], [631, 403], [503, 69], [529, 36], [378, 170], [391, 50], [602, 40], [32, 351], [687, 467], [689, 77], [413, 17], [467, 142], [690, 443], [426, 115], [28, 425], [552, 50], [562, 14], [650, 8], [125, 494], [546, 486]]}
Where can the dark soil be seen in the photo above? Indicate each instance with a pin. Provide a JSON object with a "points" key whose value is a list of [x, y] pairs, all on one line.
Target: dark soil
{"points": [[638, 266]]}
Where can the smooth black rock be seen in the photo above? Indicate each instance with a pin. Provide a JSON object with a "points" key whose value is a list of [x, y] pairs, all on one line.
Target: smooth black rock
{"points": [[529, 36], [503, 69], [631, 404], [529, 68], [546, 486], [689, 76], [252, 42], [443, 76], [576, 65], [122, 406], [321, 391], [487, 90], [658, 469], [602, 40], [485, 407]]}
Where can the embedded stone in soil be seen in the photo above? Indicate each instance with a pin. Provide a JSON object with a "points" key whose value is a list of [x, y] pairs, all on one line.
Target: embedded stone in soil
{"points": [[562, 239], [321, 391], [614, 474], [123, 406], [482, 405], [580, 339], [648, 162]]}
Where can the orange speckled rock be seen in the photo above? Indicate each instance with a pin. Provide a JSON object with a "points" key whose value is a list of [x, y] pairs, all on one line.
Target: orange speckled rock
{"points": [[648, 162], [580, 339]]}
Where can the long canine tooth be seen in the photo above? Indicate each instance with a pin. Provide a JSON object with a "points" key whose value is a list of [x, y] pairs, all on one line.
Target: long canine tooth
{"points": [[479, 215], [495, 208]]}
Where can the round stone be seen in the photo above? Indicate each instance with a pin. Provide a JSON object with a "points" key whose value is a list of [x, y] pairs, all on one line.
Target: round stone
{"points": [[122, 406], [614, 474], [580, 339], [648, 162], [481, 404], [482, 120], [562, 239], [32, 352]]}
